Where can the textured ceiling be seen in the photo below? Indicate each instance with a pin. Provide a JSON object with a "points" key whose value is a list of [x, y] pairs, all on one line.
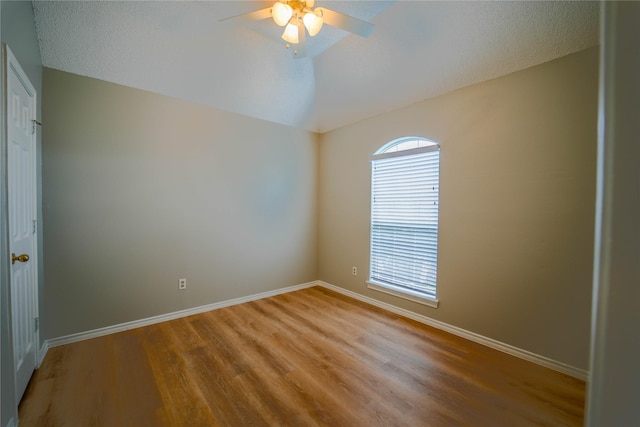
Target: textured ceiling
{"points": [[418, 49]]}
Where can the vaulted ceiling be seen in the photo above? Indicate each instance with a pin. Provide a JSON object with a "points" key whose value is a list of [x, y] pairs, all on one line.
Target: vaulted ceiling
{"points": [[418, 50]]}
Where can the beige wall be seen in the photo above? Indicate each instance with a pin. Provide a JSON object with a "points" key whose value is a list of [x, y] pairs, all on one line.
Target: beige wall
{"points": [[517, 193], [141, 190]]}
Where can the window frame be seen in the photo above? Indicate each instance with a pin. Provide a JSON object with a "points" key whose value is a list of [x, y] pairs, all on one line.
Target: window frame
{"points": [[386, 152]]}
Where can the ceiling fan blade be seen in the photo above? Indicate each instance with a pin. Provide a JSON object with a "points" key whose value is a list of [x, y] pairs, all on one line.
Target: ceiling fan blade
{"points": [[256, 15], [346, 22]]}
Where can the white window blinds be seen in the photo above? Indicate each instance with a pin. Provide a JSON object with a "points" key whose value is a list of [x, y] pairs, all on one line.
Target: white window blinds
{"points": [[404, 219]]}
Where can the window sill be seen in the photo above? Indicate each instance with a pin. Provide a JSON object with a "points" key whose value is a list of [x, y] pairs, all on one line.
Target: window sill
{"points": [[402, 293]]}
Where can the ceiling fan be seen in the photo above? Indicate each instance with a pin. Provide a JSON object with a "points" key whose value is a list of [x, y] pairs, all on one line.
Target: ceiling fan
{"points": [[300, 18]]}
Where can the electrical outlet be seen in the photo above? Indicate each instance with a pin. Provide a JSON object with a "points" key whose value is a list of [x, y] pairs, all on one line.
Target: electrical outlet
{"points": [[354, 271], [182, 283]]}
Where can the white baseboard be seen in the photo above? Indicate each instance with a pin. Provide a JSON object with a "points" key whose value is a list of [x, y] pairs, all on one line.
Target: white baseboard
{"points": [[471, 336], [42, 353], [68, 339]]}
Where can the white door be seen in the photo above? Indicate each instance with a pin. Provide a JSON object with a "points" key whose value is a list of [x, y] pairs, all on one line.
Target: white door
{"points": [[21, 180]]}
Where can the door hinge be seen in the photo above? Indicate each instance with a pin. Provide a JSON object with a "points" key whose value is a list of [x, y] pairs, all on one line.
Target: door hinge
{"points": [[33, 126], [37, 324]]}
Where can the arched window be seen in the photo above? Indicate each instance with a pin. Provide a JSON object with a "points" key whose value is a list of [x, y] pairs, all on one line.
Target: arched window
{"points": [[405, 183]]}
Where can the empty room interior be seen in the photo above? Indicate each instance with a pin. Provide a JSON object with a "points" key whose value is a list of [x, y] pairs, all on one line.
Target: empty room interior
{"points": [[209, 242]]}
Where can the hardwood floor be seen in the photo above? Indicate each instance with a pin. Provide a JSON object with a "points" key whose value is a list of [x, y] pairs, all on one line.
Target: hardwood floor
{"points": [[306, 358]]}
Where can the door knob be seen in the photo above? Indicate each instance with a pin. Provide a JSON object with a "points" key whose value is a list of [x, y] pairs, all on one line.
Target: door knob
{"points": [[21, 258]]}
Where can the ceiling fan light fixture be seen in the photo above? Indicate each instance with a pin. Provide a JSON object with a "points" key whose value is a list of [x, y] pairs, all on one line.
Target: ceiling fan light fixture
{"points": [[313, 22], [281, 13], [291, 32], [299, 19]]}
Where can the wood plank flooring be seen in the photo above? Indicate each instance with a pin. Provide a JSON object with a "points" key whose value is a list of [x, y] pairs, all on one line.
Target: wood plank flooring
{"points": [[306, 358]]}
